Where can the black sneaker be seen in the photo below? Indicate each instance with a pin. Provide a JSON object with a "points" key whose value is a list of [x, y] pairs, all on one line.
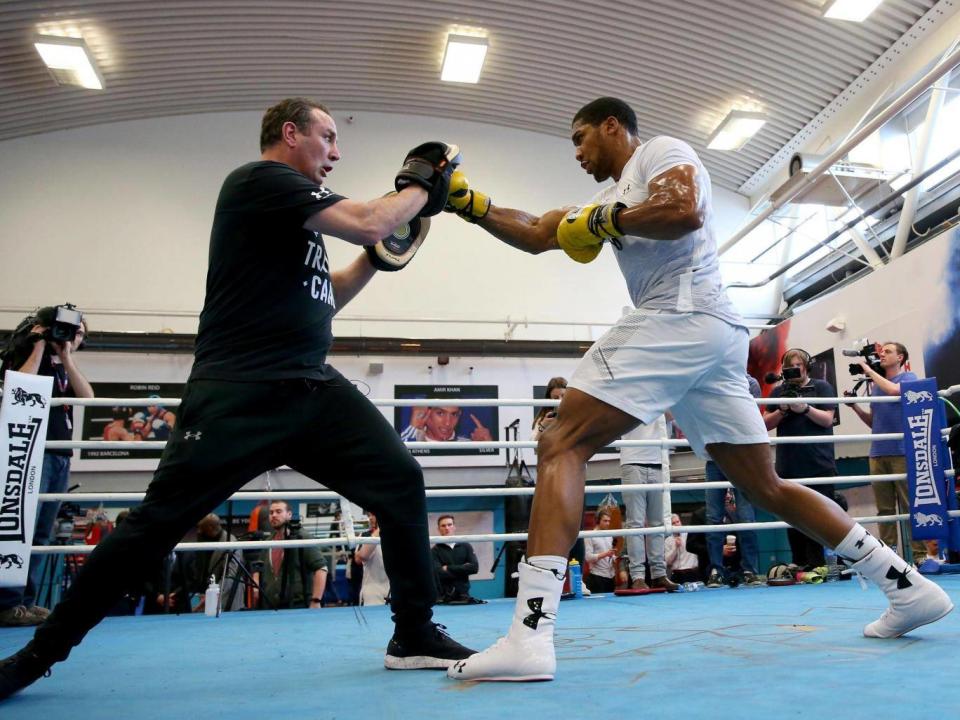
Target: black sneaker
{"points": [[715, 579], [428, 649], [21, 669]]}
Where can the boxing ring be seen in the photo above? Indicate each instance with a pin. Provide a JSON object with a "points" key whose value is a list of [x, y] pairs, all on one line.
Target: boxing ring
{"points": [[718, 653]]}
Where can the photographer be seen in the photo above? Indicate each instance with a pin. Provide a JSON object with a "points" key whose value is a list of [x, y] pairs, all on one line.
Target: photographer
{"points": [[288, 574], [884, 370], [796, 418], [44, 344]]}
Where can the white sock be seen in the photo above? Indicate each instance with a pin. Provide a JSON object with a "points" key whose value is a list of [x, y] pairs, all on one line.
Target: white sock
{"points": [[538, 596], [550, 562], [857, 544]]}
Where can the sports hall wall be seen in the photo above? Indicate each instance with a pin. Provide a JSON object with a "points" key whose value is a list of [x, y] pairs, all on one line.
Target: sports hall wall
{"points": [[118, 217]]}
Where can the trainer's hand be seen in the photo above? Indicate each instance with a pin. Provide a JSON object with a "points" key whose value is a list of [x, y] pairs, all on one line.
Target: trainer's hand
{"points": [[471, 205], [582, 231], [429, 165]]}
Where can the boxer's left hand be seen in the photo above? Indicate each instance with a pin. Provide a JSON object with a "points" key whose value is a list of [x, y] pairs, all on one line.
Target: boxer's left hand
{"points": [[582, 231]]}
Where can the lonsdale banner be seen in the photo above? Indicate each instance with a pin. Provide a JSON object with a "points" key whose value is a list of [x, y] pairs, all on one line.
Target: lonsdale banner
{"points": [[23, 434]]}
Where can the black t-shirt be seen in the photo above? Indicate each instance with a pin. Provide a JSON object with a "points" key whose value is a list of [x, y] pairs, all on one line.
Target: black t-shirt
{"points": [[269, 301], [815, 459], [60, 419]]}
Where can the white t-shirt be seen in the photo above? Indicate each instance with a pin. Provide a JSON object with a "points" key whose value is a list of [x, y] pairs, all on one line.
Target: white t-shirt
{"points": [[594, 546], [669, 275], [657, 430], [376, 585]]}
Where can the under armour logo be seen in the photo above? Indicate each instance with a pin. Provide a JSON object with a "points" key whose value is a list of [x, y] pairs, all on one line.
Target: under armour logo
{"points": [[192, 435], [860, 542], [900, 577], [536, 607], [458, 666], [320, 194]]}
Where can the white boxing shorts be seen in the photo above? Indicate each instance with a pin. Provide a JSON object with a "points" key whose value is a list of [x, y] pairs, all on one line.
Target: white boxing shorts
{"points": [[691, 364]]}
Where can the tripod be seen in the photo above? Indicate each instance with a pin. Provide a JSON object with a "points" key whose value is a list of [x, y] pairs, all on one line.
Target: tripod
{"points": [[246, 578], [516, 510]]}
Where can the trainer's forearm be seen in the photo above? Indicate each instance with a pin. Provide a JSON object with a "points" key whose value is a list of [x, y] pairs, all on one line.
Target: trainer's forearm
{"points": [[349, 281], [530, 233]]}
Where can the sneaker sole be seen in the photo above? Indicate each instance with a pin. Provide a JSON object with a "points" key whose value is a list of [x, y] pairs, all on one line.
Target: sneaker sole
{"points": [[914, 627], [522, 678], [417, 662]]}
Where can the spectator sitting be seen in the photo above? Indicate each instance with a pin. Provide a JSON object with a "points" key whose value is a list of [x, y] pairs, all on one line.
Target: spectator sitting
{"points": [[294, 577], [599, 555], [682, 564], [455, 563], [375, 587]]}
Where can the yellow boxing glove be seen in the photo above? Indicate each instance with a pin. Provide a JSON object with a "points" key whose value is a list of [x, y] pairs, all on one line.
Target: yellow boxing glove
{"points": [[582, 231], [471, 205]]}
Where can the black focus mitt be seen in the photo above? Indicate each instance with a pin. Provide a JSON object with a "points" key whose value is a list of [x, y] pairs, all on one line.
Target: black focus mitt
{"points": [[398, 248], [430, 166]]}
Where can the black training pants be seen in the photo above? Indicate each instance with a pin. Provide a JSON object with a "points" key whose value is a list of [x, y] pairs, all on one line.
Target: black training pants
{"points": [[228, 433]]}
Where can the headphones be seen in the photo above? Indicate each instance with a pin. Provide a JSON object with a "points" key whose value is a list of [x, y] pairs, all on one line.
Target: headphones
{"points": [[804, 357]]}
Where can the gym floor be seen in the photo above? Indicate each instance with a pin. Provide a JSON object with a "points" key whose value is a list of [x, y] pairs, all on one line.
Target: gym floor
{"points": [[724, 653]]}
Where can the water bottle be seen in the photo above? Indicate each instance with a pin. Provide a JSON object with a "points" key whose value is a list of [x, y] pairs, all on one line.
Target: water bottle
{"points": [[576, 579], [212, 598], [833, 568], [692, 586]]}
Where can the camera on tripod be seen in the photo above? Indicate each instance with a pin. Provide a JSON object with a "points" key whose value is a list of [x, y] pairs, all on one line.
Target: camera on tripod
{"points": [[869, 353]]}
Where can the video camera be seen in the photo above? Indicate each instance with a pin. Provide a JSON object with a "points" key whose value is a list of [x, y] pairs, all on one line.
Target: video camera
{"points": [[65, 324], [869, 353], [790, 389]]}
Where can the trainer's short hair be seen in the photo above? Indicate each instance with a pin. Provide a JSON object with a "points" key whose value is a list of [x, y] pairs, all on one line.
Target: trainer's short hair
{"points": [[296, 110], [596, 111], [901, 350], [444, 517], [280, 502]]}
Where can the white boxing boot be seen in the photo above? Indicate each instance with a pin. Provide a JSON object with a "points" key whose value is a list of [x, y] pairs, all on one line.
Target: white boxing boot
{"points": [[526, 653], [914, 600]]}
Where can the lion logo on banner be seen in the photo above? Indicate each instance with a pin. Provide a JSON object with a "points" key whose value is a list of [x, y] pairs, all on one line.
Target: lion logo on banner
{"points": [[22, 397], [927, 519], [8, 561], [913, 396]]}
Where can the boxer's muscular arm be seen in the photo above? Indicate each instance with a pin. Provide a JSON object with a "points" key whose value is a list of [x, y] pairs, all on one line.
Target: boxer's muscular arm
{"points": [[349, 281], [672, 210], [366, 223], [522, 230]]}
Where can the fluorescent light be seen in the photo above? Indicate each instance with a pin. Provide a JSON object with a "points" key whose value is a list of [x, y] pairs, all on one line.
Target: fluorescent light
{"points": [[735, 130], [853, 10], [463, 58], [69, 61]]}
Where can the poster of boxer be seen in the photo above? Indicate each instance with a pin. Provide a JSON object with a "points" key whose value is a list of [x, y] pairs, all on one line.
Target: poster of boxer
{"points": [[447, 421], [131, 424]]}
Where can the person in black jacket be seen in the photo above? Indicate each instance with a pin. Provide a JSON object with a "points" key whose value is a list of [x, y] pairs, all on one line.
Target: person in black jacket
{"points": [[455, 563]]}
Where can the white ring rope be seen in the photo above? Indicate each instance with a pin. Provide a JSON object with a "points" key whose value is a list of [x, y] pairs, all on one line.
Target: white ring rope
{"points": [[483, 537], [320, 495], [478, 402]]}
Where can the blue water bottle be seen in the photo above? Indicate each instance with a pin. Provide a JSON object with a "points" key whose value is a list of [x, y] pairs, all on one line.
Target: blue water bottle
{"points": [[576, 579]]}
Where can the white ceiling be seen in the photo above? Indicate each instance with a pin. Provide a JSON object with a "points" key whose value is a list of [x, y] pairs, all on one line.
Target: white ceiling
{"points": [[682, 64]]}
